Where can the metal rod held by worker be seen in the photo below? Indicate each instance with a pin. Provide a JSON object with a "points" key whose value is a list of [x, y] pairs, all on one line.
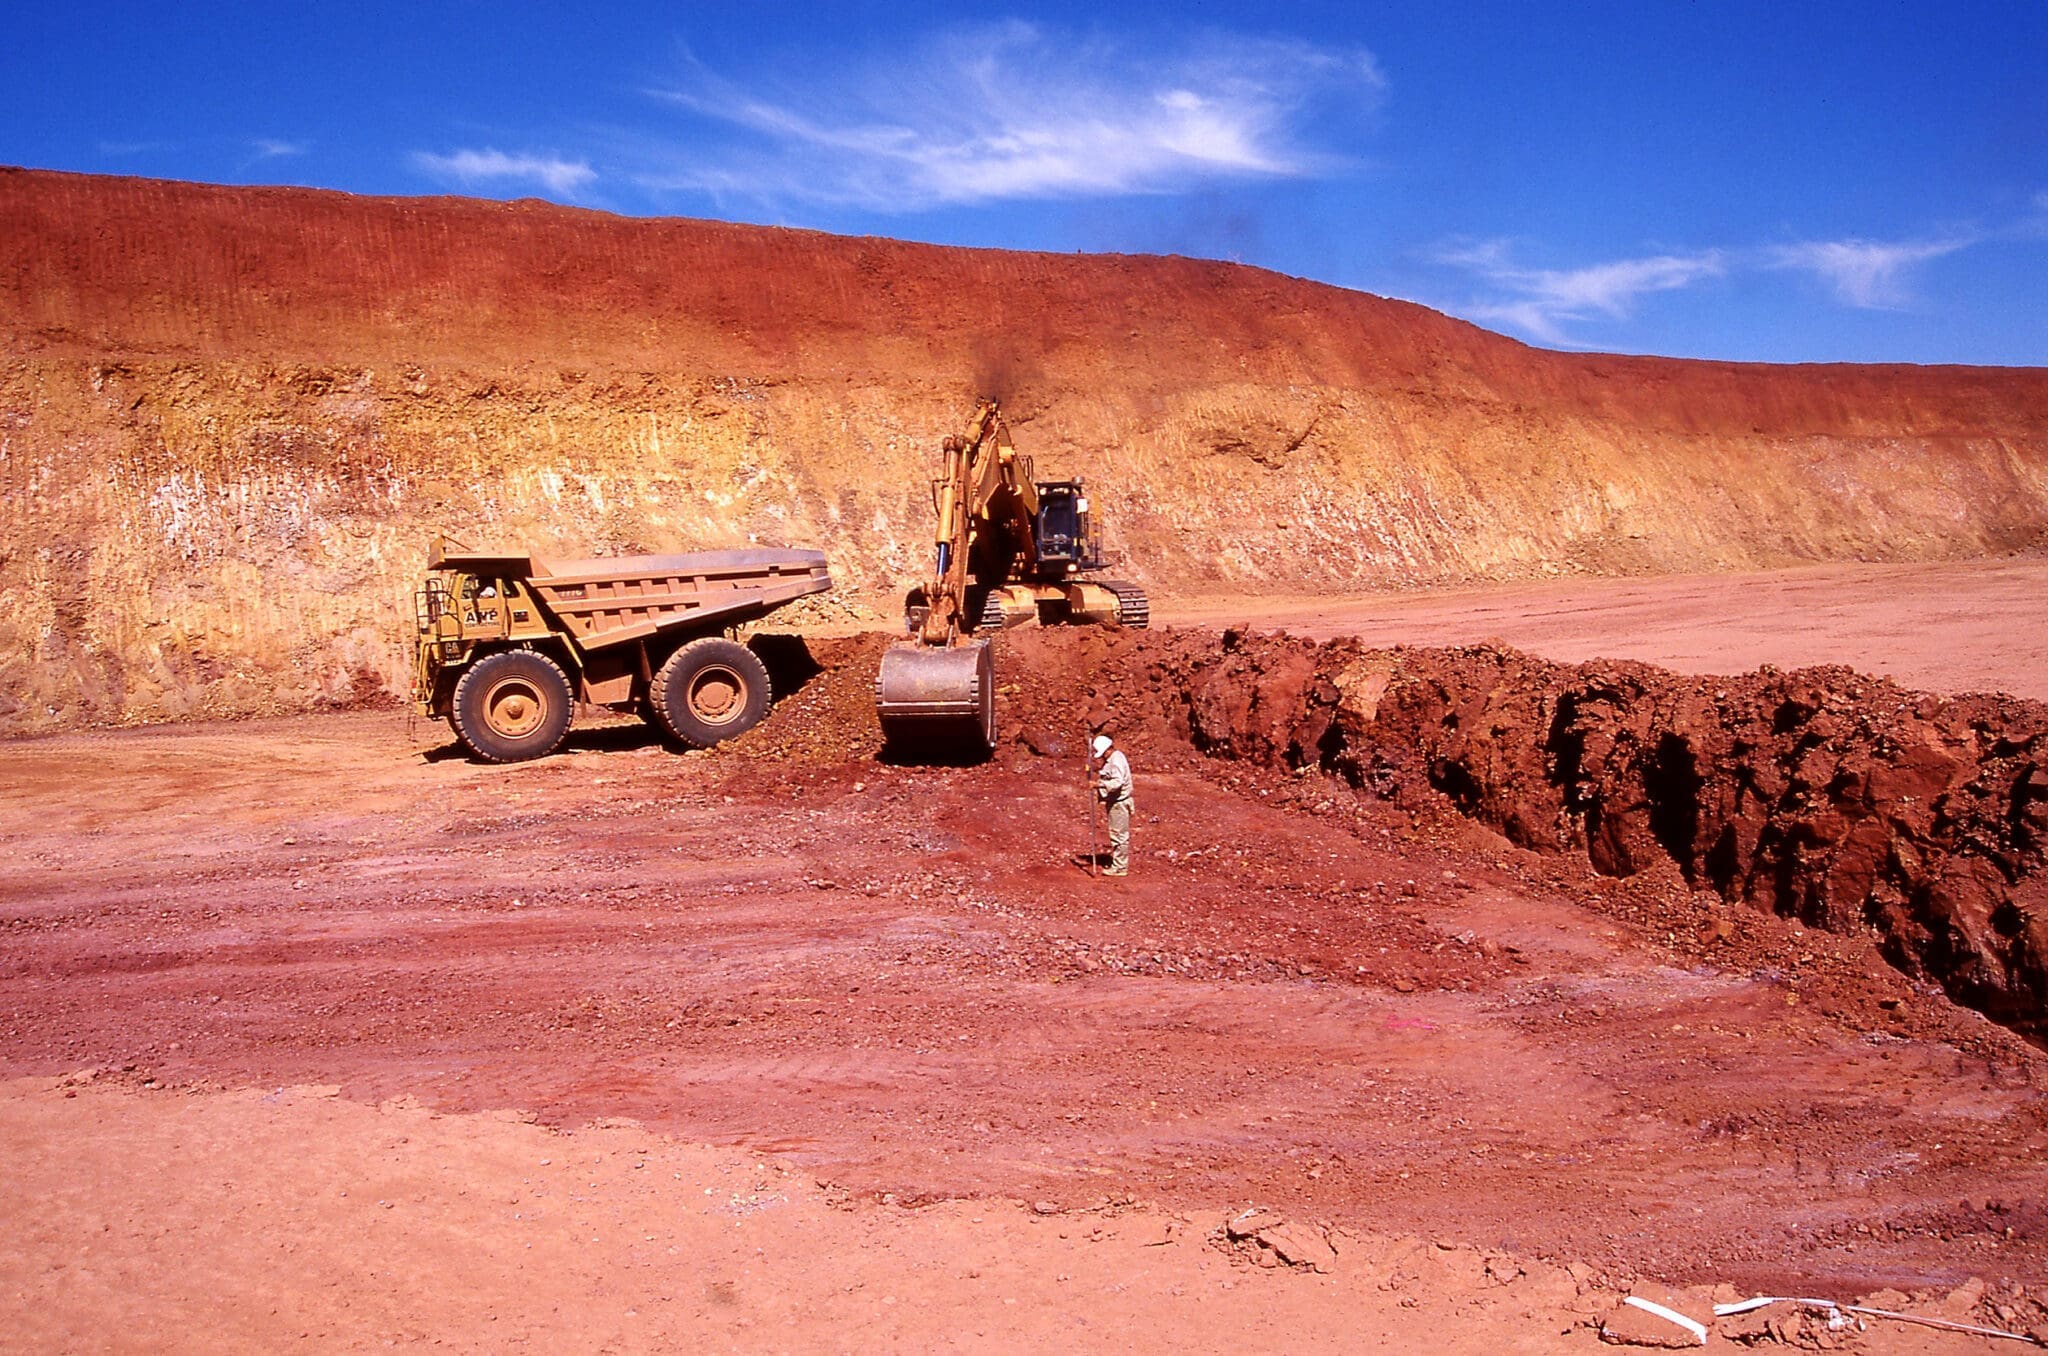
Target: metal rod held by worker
{"points": [[1088, 754]]}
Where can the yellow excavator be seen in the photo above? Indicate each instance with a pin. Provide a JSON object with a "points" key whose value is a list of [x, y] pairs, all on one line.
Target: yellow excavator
{"points": [[1012, 551]]}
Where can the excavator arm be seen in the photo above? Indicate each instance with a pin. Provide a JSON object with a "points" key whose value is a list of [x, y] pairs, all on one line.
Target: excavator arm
{"points": [[938, 691], [987, 508], [1008, 551]]}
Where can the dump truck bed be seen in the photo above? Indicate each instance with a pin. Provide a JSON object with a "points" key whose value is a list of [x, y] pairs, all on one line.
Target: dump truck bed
{"points": [[623, 598], [617, 599]]}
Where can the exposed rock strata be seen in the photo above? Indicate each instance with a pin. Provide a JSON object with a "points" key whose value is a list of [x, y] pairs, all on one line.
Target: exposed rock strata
{"points": [[230, 418]]}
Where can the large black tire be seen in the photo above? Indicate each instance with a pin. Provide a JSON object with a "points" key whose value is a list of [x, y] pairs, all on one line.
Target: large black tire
{"points": [[710, 690], [512, 706]]}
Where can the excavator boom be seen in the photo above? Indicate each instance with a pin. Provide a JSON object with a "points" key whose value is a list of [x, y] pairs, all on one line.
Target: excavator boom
{"points": [[986, 491], [1006, 551], [937, 693]]}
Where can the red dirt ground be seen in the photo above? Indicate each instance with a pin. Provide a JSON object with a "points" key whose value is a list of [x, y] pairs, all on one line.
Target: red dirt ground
{"points": [[929, 1057]]}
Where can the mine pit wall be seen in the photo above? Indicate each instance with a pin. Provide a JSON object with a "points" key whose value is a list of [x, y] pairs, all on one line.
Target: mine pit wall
{"points": [[1820, 794], [231, 418]]}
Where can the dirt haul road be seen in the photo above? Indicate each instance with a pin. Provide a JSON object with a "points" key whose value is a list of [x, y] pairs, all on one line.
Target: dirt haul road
{"points": [[1958, 626], [319, 1034]]}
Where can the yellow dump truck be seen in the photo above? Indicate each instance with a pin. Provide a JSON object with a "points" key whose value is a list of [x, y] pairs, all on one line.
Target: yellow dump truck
{"points": [[509, 642]]}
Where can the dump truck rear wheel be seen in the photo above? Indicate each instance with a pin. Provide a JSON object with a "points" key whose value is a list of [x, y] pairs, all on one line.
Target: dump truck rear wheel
{"points": [[512, 706], [710, 690]]}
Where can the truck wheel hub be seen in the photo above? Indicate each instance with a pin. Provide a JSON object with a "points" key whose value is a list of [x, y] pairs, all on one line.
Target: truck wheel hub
{"points": [[516, 709], [715, 696]]}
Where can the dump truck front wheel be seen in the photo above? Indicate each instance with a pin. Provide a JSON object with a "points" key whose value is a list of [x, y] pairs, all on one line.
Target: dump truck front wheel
{"points": [[511, 706], [710, 690]]}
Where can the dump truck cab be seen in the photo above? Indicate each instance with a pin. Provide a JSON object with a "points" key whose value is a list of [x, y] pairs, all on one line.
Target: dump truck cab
{"points": [[469, 600], [506, 643]]}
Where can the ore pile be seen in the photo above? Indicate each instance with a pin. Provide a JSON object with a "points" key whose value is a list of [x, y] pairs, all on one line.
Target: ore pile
{"points": [[1819, 794]]}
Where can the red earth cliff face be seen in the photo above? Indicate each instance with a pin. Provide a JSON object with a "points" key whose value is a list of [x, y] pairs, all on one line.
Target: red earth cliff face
{"points": [[230, 419]]}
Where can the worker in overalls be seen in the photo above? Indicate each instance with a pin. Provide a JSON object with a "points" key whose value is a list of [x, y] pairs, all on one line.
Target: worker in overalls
{"points": [[1113, 789]]}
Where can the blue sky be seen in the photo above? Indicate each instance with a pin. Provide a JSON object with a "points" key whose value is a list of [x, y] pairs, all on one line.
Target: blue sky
{"points": [[1781, 182]]}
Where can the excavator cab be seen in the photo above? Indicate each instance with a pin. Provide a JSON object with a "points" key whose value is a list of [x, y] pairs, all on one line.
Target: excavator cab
{"points": [[1066, 541]]}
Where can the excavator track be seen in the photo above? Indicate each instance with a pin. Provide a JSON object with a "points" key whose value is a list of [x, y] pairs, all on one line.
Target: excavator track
{"points": [[991, 615], [1132, 607]]}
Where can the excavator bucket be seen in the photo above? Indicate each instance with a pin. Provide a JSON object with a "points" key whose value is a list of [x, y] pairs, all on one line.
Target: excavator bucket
{"points": [[938, 701]]}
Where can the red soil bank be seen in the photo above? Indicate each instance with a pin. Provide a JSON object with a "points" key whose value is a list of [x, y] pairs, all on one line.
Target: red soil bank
{"points": [[1821, 795]]}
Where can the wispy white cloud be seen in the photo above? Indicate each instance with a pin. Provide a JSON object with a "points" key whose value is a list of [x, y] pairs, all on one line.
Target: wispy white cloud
{"points": [[561, 177], [1541, 302], [1865, 273], [1544, 303], [1013, 111], [270, 148], [2030, 224]]}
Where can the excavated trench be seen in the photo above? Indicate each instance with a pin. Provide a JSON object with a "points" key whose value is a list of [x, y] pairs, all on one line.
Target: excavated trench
{"points": [[1820, 794]]}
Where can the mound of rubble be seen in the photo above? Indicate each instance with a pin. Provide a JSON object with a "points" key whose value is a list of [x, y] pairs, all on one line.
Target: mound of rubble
{"points": [[1820, 794]]}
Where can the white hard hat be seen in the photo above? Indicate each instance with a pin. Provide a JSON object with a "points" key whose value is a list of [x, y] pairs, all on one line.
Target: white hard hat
{"points": [[1101, 745]]}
